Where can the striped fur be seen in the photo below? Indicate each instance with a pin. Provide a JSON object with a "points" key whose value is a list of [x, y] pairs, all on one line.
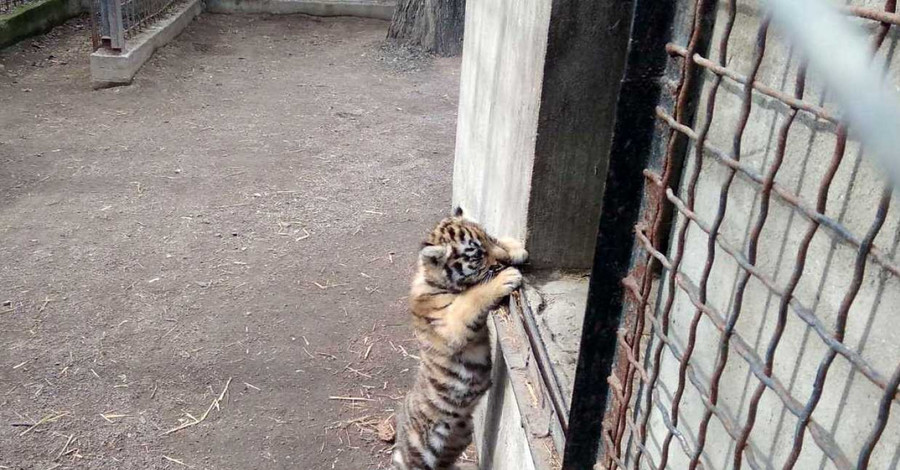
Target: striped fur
{"points": [[462, 274]]}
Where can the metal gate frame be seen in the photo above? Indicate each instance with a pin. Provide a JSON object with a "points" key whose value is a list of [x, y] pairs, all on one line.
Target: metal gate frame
{"points": [[633, 249]]}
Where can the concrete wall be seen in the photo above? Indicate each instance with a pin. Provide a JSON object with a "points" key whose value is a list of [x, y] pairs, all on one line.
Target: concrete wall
{"points": [[37, 18], [111, 68], [538, 86], [849, 404], [499, 100], [500, 437], [379, 9], [515, 428]]}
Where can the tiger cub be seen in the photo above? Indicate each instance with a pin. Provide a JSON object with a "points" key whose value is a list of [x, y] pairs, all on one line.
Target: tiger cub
{"points": [[462, 274]]}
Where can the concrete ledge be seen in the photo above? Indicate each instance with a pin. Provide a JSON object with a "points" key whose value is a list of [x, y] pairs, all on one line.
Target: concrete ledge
{"points": [[315, 8], [515, 428], [110, 68], [36, 18]]}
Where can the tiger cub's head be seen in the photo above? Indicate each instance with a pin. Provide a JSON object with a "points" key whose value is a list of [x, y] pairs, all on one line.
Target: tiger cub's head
{"points": [[457, 254]]}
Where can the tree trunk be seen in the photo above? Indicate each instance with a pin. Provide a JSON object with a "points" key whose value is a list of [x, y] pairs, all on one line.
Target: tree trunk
{"points": [[434, 25]]}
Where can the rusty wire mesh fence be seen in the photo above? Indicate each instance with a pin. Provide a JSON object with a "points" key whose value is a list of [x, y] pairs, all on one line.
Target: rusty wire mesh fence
{"points": [[765, 293], [115, 21]]}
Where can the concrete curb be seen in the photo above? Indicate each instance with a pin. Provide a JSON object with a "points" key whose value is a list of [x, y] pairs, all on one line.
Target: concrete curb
{"points": [[36, 18], [315, 8], [110, 68]]}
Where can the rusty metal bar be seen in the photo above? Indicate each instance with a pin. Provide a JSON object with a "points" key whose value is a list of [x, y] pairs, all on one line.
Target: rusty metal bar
{"points": [[889, 390], [710, 260], [781, 321], [878, 255], [544, 366], [819, 434], [115, 21], [884, 412], [854, 81], [881, 16], [752, 245], [676, 150], [840, 326], [630, 152], [636, 395], [728, 422], [691, 190], [803, 312], [717, 69]]}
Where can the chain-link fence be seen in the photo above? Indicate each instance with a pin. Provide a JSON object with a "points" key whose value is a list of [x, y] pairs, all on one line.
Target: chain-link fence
{"points": [[115, 21], [741, 305], [759, 309]]}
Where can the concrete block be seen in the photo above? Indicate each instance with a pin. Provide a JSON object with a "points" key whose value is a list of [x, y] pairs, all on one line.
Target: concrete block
{"points": [[558, 302], [537, 99], [111, 68], [511, 430], [362, 9]]}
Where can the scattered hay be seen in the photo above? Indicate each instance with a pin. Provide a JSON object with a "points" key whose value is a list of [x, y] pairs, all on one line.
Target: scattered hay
{"points": [[50, 418], [195, 421]]}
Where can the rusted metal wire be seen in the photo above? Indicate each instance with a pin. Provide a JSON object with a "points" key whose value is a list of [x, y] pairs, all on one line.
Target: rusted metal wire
{"points": [[804, 313], [672, 165], [737, 142], [717, 69], [635, 391], [882, 16], [884, 412], [138, 14], [843, 234], [840, 327], [819, 434]]}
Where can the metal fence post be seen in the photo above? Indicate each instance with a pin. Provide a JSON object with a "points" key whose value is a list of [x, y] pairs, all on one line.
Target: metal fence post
{"points": [[629, 154], [112, 32]]}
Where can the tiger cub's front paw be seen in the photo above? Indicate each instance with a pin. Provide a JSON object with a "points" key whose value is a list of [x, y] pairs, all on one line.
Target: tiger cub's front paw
{"points": [[515, 249], [507, 281]]}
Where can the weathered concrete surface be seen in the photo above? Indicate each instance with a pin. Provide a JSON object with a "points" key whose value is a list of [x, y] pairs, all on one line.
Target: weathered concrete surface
{"points": [[512, 424], [36, 18], [110, 68], [500, 87], [378, 9], [500, 438], [558, 302], [537, 100]]}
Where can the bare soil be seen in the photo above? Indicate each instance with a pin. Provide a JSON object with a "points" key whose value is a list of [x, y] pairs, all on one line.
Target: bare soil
{"points": [[246, 213]]}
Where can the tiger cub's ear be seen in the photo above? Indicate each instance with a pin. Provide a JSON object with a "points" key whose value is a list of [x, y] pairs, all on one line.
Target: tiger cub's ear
{"points": [[460, 214], [434, 254]]}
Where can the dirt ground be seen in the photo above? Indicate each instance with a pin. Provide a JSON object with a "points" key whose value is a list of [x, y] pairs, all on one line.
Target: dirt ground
{"points": [[240, 222]]}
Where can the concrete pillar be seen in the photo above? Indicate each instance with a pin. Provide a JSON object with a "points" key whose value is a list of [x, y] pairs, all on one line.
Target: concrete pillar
{"points": [[538, 89]]}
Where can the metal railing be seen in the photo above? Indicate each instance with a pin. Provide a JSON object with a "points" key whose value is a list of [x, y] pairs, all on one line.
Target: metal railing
{"points": [[752, 256], [114, 21]]}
